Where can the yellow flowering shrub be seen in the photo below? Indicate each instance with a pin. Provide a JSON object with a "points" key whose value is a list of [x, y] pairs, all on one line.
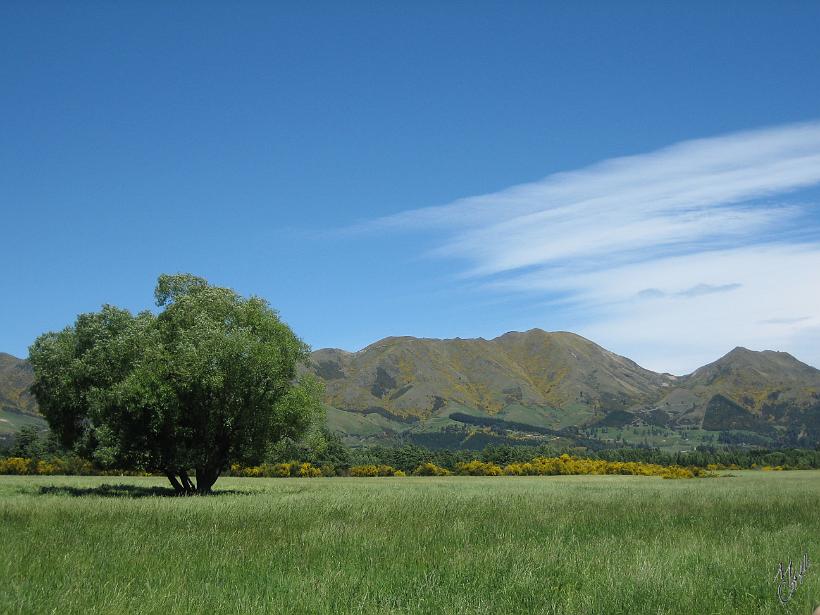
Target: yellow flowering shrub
{"points": [[478, 468], [15, 465], [57, 465], [566, 464], [430, 469], [281, 470], [252, 471], [372, 470], [307, 470], [48, 468]]}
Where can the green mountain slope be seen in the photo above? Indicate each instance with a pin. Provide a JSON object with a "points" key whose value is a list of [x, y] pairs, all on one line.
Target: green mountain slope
{"points": [[15, 379], [17, 406], [559, 381], [773, 389], [410, 378]]}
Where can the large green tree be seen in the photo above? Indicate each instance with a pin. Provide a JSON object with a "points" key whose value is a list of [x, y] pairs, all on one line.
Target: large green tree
{"points": [[210, 380]]}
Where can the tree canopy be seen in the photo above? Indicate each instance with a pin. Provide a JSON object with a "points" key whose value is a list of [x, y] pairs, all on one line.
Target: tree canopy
{"points": [[212, 379]]}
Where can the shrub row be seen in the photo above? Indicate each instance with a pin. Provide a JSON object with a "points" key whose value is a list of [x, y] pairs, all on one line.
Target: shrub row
{"points": [[71, 466], [568, 465], [540, 466], [282, 470], [307, 470]]}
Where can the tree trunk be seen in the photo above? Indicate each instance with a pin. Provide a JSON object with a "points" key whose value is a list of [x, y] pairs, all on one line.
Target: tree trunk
{"points": [[205, 478], [182, 483], [175, 482], [186, 482]]}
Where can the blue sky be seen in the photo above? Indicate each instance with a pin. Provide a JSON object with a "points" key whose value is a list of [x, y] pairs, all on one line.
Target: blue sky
{"points": [[645, 174]]}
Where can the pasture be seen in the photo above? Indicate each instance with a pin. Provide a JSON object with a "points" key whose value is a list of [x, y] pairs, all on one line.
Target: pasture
{"points": [[562, 544]]}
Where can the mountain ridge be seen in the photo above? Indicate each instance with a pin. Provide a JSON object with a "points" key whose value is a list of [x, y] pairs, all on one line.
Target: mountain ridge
{"points": [[535, 372], [553, 381]]}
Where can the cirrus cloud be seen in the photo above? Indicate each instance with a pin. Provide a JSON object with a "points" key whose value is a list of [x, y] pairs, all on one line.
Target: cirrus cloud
{"points": [[672, 257]]}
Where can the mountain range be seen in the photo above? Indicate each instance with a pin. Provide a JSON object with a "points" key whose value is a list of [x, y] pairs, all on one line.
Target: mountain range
{"points": [[536, 387], [538, 383]]}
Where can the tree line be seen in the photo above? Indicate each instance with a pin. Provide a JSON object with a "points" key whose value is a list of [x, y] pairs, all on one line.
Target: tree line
{"points": [[326, 454]]}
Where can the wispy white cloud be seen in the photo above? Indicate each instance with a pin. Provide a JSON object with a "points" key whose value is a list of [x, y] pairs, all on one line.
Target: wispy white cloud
{"points": [[680, 249], [694, 291], [707, 289], [785, 321], [706, 303]]}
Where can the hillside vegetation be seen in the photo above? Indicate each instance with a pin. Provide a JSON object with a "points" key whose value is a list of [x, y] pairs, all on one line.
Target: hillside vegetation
{"points": [[18, 408], [555, 384], [16, 377]]}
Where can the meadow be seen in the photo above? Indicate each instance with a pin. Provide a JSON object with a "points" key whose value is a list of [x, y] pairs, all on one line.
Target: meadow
{"points": [[560, 544]]}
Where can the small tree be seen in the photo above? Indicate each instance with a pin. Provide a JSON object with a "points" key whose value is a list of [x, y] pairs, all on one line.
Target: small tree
{"points": [[211, 380], [28, 443]]}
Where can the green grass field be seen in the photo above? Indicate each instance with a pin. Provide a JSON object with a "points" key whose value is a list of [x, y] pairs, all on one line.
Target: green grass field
{"points": [[573, 544]]}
